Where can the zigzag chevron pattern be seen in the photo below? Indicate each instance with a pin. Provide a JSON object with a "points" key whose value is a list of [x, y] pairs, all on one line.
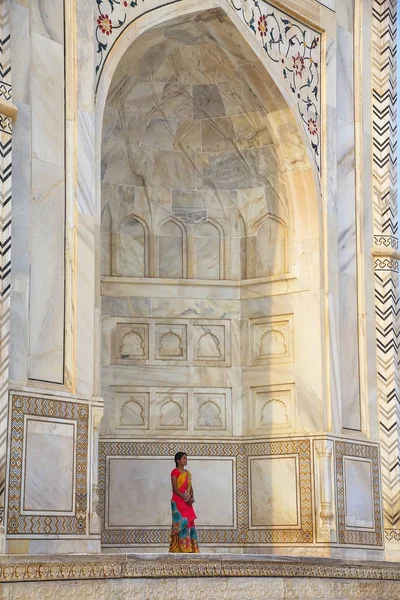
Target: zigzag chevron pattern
{"points": [[385, 219], [5, 234]]}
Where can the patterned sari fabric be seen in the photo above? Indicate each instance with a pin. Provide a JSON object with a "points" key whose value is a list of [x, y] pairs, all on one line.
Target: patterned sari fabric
{"points": [[183, 533]]}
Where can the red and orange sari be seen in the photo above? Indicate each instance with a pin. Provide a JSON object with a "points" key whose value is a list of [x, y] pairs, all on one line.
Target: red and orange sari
{"points": [[183, 533]]}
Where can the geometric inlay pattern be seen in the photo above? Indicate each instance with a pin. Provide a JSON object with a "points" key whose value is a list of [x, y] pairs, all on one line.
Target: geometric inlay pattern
{"points": [[5, 234], [385, 229], [17, 523], [241, 452], [358, 536]]}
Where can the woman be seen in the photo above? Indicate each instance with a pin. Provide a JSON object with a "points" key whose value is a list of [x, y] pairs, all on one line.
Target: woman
{"points": [[183, 534]]}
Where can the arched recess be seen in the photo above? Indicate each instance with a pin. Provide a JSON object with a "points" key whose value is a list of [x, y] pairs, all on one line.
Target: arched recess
{"points": [[171, 249], [267, 248], [286, 128], [202, 164], [289, 49], [209, 250], [130, 251]]}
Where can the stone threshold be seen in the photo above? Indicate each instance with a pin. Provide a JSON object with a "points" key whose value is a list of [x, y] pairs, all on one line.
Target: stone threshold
{"points": [[64, 567]]}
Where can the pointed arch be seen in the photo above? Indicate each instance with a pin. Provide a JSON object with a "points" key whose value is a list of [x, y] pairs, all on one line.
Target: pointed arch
{"points": [[209, 252], [130, 248], [171, 249], [267, 249]]}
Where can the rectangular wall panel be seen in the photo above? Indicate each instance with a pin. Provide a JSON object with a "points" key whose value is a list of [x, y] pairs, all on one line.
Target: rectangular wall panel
{"points": [[347, 234], [49, 466], [46, 333]]}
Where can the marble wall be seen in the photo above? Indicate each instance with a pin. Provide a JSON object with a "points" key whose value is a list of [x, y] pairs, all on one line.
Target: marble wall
{"points": [[211, 282], [39, 138], [198, 155], [235, 274], [262, 494]]}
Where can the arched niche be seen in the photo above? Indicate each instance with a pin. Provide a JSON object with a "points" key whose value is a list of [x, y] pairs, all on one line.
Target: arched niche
{"points": [[206, 143], [213, 158], [267, 248], [171, 249], [288, 48], [130, 248], [209, 253]]}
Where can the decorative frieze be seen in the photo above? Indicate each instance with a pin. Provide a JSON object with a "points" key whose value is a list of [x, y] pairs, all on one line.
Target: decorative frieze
{"points": [[13, 569]]}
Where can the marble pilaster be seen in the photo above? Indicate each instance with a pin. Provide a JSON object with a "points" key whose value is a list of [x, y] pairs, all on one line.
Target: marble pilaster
{"points": [[8, 113]]}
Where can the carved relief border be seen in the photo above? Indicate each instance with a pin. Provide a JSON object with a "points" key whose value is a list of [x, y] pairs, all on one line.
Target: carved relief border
{"points": [[241, 535], [345, 534], [47, 524], [198, 342], [16, 569], [291, 47]]}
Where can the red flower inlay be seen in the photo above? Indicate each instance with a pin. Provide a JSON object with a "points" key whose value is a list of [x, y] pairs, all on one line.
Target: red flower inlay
{"points": [[312, 126], [105, 24], [298, 64], [262, 26]]}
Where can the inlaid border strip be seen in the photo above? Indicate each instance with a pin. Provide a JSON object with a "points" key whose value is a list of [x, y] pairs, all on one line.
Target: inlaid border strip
{"points": [[46, 524]]}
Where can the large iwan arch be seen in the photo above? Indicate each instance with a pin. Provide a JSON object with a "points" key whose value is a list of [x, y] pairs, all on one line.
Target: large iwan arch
{"points": [[196, 131]]}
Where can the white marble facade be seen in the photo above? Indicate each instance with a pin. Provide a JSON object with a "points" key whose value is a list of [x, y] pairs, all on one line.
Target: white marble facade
{"points": [[193, 270]]}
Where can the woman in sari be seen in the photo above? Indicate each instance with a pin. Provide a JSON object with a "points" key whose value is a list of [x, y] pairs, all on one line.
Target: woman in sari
{"points": [[183, 534]]}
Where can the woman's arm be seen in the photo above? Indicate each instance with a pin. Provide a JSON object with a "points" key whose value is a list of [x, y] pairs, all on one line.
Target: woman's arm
{"points": [[174, 481]]}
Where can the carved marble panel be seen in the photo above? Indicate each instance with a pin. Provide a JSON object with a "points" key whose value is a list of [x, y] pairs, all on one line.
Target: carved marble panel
{"points": [[184, 410], [133, 410], [211, 343], [200, 342], [271, 340], [171, 342], [209, 411], [248, 579], [131, 343], [170, 410], [274, 408]]}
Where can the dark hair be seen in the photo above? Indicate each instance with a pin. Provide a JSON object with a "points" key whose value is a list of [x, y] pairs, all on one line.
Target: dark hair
{"points": [[178, 456]]}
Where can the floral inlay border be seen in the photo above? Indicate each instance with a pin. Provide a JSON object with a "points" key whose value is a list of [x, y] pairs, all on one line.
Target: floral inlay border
{"points": [[290, 45], [112, 18], [296, 50]]}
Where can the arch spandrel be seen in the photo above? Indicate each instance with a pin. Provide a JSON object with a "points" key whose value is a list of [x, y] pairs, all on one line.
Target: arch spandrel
{"points": [[289, 49]]}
